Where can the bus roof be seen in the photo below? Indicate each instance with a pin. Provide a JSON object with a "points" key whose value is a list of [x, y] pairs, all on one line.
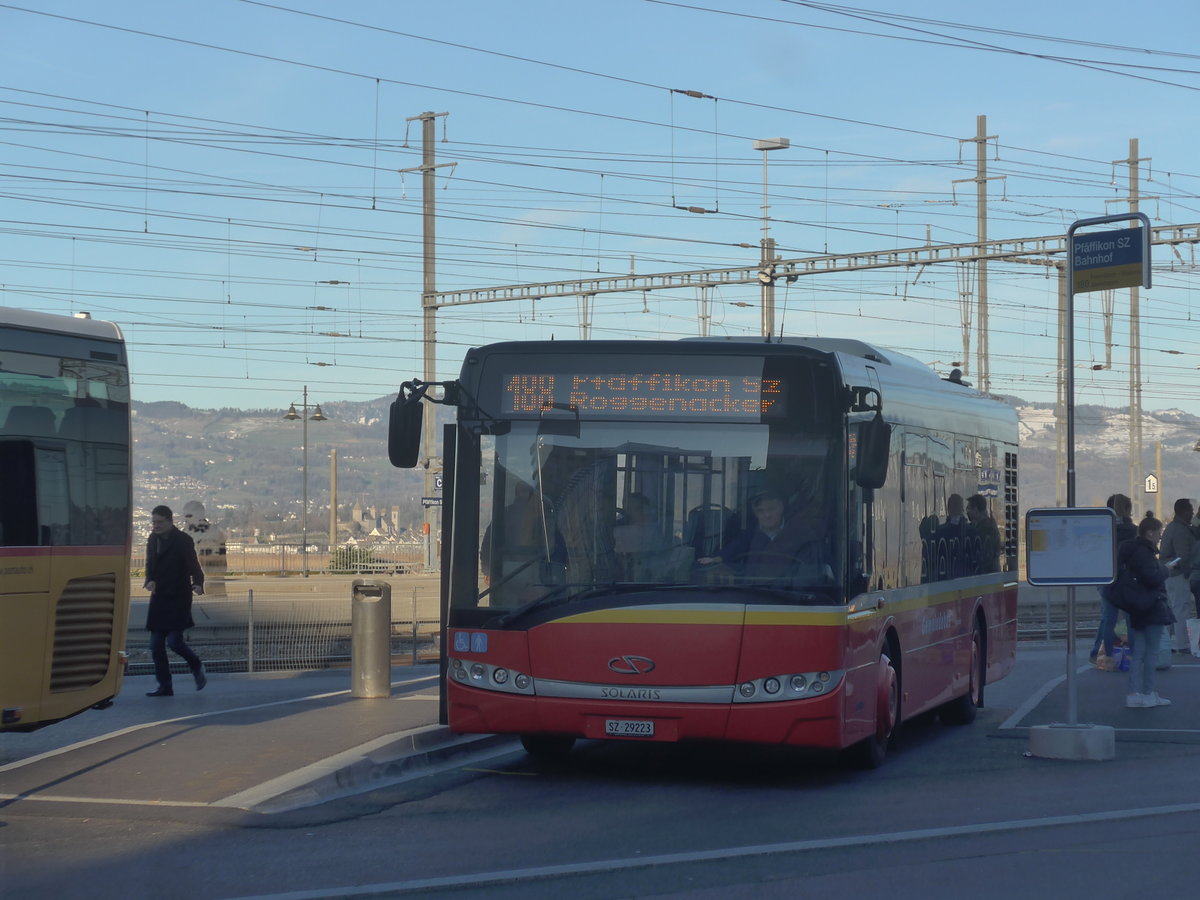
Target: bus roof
{"points": [[79, 325], [851, 351], [840, 346], [915, 393]]}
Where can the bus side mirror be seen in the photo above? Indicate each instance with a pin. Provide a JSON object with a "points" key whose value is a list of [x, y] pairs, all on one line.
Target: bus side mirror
{"points": [[874, 448], [404, 429]]}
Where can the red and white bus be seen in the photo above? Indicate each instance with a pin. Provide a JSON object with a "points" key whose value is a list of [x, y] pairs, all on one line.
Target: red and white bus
{"points": [[64, 516], [719, 539]]}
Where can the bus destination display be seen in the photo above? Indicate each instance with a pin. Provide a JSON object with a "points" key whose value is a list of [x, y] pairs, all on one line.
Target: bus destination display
{"points": [[663, 394]]}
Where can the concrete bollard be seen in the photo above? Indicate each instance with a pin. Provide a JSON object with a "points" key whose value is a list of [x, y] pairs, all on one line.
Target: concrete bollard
{"points": [[371, 639]]}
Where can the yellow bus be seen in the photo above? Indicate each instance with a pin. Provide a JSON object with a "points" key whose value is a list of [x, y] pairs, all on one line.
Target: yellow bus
{"points": [[64, 516]]}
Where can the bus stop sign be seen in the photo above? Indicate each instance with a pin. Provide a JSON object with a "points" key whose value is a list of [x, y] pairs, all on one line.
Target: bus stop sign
{"points": [[1104, 260]]}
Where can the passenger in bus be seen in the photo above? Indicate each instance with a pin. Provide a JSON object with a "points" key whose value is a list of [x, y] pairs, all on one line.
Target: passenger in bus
{"points": [[173, 575], [778, 545], [643, 552], [986, 536], [950, 541], [516, 554], [927, 529]]}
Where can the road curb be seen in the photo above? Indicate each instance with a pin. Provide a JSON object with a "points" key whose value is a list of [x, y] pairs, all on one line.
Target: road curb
{"points": [[387, 760]]}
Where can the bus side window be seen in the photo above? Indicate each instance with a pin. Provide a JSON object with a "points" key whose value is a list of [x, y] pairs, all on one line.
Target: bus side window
{"points": [[30, 421], [18, 497], [53, 503], [92, 423]]}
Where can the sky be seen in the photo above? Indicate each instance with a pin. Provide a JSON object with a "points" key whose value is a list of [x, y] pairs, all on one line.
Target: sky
{"points": [[224, 178]]}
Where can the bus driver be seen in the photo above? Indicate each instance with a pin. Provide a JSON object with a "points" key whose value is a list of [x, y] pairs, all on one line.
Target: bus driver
{"points": [[777, 545]]}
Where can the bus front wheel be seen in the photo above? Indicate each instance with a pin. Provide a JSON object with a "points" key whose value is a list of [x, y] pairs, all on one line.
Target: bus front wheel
{"points": [[870, 753]]}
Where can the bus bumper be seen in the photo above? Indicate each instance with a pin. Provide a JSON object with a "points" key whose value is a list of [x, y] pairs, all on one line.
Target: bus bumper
{"points": [[811, 722]]}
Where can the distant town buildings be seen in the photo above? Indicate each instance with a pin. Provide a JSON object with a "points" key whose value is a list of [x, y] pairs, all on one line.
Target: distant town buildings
{"points": [[371, 522]]}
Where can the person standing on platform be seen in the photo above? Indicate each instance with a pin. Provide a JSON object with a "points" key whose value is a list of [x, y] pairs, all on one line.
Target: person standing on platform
{"points": [[1178, 541], [1106, 635], [173, 575], [1146, 583]]}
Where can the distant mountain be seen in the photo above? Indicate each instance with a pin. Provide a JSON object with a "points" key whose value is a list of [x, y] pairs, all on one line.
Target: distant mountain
{"points": [[246, 466], [1102, 455]]}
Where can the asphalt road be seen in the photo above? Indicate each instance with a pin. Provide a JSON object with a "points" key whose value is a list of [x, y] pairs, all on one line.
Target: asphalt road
{"points": [[956, 812]]}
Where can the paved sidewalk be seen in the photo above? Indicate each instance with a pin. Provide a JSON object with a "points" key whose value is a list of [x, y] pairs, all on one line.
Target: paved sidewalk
{"points": [[270, 742], [264, 742], [1100, 696]]}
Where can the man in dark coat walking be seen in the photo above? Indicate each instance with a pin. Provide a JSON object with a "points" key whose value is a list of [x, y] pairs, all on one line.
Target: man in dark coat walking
{"points": [[173, 574]]}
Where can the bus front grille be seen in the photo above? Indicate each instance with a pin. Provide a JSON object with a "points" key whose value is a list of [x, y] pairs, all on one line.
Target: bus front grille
{"points": [[83, 632]]}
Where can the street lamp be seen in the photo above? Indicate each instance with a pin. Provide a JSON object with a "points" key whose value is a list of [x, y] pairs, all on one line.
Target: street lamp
{"points": [[291, 415], [766, 273]]}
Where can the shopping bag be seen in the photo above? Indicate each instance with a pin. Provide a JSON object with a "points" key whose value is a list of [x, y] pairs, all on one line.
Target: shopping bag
{"points": [[1193, 633], [1104, 662], [1120, 659]]}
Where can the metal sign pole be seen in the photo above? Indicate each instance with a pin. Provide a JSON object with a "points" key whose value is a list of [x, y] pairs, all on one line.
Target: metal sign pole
{"points": [[1069, 335]]}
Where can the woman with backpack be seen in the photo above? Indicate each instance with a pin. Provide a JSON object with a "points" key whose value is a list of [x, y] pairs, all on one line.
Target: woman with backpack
{"points": [[1144, 596]]}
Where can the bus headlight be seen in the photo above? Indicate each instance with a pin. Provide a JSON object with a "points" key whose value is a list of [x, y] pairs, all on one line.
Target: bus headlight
{"points": [[490, 677], [801, 685]]}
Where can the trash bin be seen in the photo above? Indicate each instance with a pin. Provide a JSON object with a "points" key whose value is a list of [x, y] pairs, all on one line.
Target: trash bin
{"points": [[371, 639]]}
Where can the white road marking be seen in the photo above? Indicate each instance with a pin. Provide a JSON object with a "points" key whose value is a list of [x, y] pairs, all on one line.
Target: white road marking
{"points": [[118, 801], [510, 876]]}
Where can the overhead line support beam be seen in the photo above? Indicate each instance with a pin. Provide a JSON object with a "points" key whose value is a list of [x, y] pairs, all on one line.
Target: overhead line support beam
{"points": [[923, 255]]}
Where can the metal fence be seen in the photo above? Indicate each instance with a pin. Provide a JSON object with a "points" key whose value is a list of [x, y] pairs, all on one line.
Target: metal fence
{"points": [[1042, 613], [287, 627], [289, 559]]}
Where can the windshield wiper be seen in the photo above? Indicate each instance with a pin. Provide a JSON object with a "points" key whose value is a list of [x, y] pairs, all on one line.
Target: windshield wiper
{"points": [[785, 594], [546, 599]]}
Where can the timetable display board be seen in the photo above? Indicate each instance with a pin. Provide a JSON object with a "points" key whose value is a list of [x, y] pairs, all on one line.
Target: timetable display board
{"points": [[1070, 545]]}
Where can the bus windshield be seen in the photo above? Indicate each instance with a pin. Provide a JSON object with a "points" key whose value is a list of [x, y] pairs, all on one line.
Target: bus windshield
{"points": [[624, 507]]}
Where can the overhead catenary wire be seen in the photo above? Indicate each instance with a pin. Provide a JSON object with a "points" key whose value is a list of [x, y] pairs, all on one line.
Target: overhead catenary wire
{"points": [[466, 208]]}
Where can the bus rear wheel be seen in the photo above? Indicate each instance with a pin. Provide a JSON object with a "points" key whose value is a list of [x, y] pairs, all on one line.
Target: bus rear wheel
{"points": [[870, 753], [962, 710], [547, 746]]}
